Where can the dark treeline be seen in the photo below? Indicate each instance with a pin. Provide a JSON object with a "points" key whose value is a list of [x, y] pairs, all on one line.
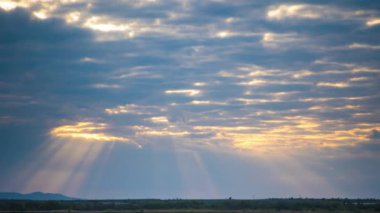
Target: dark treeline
{"points": [[228, 204]]}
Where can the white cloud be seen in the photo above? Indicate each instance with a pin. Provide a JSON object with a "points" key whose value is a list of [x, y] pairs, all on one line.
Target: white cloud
{"points": [[224, 34], [125, 109], [373, 22], [333, 84], [230, 33], [254, 82], [159, 119], [135, 110], [311, 11], [105, 24], [87, 131], [280, 40], [72, 17], [363, 46], [90, 60], [199, 84], [303, 11], [107, 86], [359, 79], [231, 20], [8, 5], [186, 92], [11, 5], [206, 102], [170, 131]]}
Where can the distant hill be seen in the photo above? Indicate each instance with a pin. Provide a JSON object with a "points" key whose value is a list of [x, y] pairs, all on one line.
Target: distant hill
{"points": [[33, 196]]}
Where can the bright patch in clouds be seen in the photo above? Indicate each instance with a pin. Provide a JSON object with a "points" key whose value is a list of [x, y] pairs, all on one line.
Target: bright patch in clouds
{"points": [[104, 24], [364, 46], [186, 92], [277, 40], [86, 131], [334, 84], [134, 109], [8, 5], [373, 22], [224, 34], [72, 17], [206, 102], [159, 119], [286, 11], [170, 131], [107, 86], [11, 5]]}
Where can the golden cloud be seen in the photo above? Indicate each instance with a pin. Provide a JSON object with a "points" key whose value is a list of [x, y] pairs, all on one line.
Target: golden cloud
{"points": [[87, 131]]}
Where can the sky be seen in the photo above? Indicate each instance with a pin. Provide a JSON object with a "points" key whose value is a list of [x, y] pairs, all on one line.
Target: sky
{"points": [[190, 99]]}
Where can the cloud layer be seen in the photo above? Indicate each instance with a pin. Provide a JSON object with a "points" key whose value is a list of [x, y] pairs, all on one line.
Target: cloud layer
{"points": [[258, 79]]}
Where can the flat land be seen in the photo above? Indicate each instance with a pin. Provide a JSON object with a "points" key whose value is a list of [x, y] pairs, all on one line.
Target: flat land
{"points": [[291, 205]]}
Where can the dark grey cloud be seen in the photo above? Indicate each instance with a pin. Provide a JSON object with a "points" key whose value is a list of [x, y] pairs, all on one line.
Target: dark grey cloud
{"points": [[374, 135]]}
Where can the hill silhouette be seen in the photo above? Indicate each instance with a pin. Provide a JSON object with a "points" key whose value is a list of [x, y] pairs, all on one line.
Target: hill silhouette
{"points": [[33, 196]]}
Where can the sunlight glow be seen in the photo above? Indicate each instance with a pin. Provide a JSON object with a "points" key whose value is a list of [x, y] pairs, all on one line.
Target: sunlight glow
{"points": [[276, 40], [297, 10], [207, 102], [289, 133], [170, 131], [333, 84], [134, 109], [223, 34], [11, 5], [373, 22], [72, 17], [199, 84], [186, 92], [107, 86], [75, 161], [105, 25], [87, 131], [8, 5], [41, 14], [254, 82], [364, 46], [159, 119]]}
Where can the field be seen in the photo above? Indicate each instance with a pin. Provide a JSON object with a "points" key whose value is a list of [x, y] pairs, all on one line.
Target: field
{"points": [[200, 206]]}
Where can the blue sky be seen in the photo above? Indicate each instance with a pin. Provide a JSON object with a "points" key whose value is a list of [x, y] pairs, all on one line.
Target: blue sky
{"points": [[190, 99]]}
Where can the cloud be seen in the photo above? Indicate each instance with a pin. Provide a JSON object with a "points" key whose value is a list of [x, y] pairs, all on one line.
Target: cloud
{"points": [[8, 5], [374, 134], [286, 12], [86, 131], [11, 5], [46, 62], [303, 11], [251, 79], [333, 84], [159, 119], [90, 60], [108, 25], [363, 46], [373, 22], [159, 132], [107, 86], [134, 109], [207, 102], [186, 92], [278, 40]]}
